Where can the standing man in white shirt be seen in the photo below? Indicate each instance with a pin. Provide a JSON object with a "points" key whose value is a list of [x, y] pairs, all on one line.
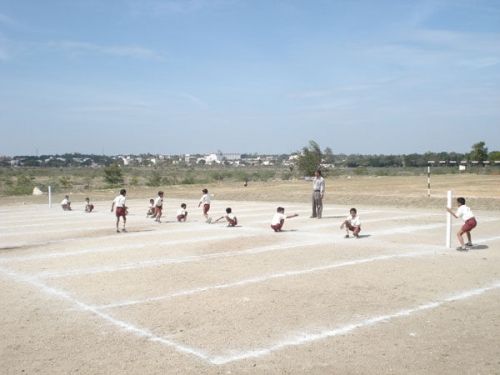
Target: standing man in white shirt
{"points": [[318, 194]]}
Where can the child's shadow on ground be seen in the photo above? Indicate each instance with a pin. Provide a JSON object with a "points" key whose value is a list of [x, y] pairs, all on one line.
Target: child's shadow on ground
{"points": [[364, 235], [333, 217], [479, 247]]}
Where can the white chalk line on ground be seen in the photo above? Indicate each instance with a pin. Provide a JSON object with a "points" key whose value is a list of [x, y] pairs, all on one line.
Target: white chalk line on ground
{"points": [[196, 258], [298, 339], [264, 278], [303, 338], [123, 325], [292, 273], [157, 229], [179, 260], [318, 240]]}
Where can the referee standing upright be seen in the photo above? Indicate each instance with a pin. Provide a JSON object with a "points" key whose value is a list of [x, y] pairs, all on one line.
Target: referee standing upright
{"points": [[318, 193]]}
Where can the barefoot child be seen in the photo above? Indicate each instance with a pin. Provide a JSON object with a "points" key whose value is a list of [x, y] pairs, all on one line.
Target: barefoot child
{"points": [[66, 204], [232, 221], [352, 223], [279, 219], [470, 223], [121, 209], [205, 201], [182, 213], [89, 207], [158, 206]]}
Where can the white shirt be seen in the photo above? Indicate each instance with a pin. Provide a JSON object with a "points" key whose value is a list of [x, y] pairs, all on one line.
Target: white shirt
{"points": [[181, 211], [205, 199], [277, 218], [231, 216], [319, 184], [119, 201], [159, 201], [64, 201], [464, 212], [354, 221]]}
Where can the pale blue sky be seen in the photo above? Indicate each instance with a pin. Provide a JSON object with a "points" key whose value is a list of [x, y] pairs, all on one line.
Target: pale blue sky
{"points": [[175, 76]]}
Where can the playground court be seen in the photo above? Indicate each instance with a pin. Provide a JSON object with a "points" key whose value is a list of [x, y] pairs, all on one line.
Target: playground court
{"points": [[196, 298]]}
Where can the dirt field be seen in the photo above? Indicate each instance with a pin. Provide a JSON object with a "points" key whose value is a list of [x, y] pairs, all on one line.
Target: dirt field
{"points": [[194, 298]]}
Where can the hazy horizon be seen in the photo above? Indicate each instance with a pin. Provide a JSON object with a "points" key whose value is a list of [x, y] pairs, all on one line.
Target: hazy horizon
{"points": [[195, 76]]}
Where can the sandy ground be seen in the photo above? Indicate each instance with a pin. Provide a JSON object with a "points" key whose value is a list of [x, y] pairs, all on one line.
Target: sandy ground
{"points": [[194, 298]]}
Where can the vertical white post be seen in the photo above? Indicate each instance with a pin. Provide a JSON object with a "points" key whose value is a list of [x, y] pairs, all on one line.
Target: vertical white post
{"points": [[448, 221], [429, 181], [50, 197]]}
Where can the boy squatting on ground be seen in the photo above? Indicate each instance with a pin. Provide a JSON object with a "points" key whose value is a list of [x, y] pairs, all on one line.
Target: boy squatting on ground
{"points": [[232, 221], [205, 200], [352, 223], [182, 213], [470, 223], [121, 209], [66, 204], [279, 219], [89, 207]]}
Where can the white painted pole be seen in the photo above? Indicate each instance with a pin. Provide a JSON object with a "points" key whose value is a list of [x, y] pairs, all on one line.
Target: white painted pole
{"points": [[429, 181], [50, 197], [448, 221]]}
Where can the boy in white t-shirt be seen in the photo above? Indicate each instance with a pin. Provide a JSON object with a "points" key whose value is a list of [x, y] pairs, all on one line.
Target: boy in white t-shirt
{"points": [[182, 213], [66, 204], [470, 223], [205, 201], [121, 209], [279, 219], [232, 221], [352, 223], [89, 207], [158, 207]]}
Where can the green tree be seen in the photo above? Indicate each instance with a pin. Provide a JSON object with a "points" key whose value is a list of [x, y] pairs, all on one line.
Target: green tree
{"points": [[494, 156], [65, 182], [113, 175], [479, 152], [328, 155], [310, 159]]}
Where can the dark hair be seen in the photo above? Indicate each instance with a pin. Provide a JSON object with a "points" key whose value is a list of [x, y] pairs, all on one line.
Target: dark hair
{"points": [[160, 192], [461, 200], [280, 209], [205, 191], [228, 210], [87, 199], [319, 171], [353, 209], [183, 205], [123, 191], [151, 200]]}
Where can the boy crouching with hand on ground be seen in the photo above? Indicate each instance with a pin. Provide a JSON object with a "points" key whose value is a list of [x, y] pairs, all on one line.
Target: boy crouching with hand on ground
{"points": [[352, 223]]}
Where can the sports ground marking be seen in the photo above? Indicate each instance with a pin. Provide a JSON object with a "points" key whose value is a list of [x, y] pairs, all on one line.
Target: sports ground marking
{"points": [[179, 230], [292, 273], [299, 339], [315, 240], [309, 337]]}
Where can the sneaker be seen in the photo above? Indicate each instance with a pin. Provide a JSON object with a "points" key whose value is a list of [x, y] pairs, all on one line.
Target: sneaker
{"points": [[469, 244], [117, 231], [124, 230], [346, 236], [462, 248]]}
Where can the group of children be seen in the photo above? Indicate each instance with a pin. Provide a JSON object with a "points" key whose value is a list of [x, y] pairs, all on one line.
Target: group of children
{"points": [[351, 224], [66, 204]]}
